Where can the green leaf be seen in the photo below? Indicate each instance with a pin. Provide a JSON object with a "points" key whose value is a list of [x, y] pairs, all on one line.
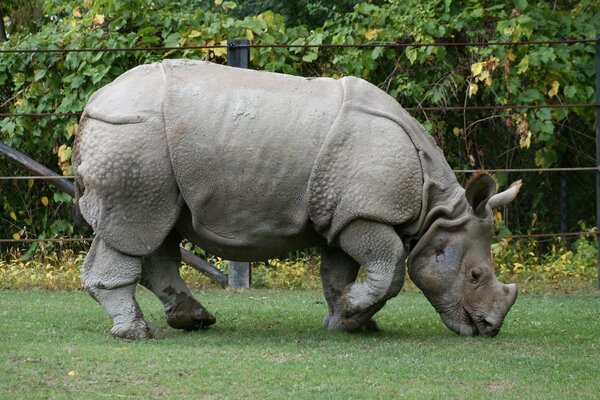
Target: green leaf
{"points": [[61, 197], [501, 178], [570, 91], [546, 158], [39, 74], [521, 5], [310, 57]]}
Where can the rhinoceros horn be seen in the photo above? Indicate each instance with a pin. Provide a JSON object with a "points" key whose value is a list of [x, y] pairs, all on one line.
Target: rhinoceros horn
{"points": [[505, 197]]}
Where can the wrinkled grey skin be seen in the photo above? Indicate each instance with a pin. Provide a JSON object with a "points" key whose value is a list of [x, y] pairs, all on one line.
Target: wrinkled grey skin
{"points": [[251, 165]]}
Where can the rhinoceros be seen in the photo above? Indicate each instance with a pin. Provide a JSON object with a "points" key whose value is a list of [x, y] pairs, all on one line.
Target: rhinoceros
{"points": [[250, 165]]}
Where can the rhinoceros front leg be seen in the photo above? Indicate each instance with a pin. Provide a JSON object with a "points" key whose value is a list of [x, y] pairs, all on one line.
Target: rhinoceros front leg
{"points": [[111, 278], [379, 249], [338, 270], [160, 274]]}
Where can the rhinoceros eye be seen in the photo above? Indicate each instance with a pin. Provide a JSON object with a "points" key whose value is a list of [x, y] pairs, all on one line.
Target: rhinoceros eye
{"points": [[475, 275]]}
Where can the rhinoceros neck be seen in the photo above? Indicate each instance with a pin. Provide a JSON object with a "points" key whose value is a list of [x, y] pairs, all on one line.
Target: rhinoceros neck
{"points": [[442, 195]]}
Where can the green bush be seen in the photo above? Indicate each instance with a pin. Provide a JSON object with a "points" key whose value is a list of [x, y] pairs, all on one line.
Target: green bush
{"points": [[436, 76]]}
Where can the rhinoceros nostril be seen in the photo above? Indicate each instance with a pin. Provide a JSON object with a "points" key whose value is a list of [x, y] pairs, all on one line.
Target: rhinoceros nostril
{"points": [[487, 323]]}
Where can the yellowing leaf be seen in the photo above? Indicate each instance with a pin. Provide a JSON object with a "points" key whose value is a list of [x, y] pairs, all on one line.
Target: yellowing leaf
{"points": [[511, 55], [98, 20], [221, 51], [13, 216], [498, 217], [218, 2], [71, 129], [525, 140], [476, 68], [72, 373], [523, 65], [488, 81], [483, 76], [45, 201], [194, 34], [554, 90], [64, 153], [16, 236], [457, 131], [473, 88], [77, 12], [372, 33], [30, 183], [249, 34], [508, 30]]}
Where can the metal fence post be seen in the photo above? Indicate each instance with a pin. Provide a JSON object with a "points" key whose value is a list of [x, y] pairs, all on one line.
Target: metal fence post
{"points": [[238, 55], [598, 150]]}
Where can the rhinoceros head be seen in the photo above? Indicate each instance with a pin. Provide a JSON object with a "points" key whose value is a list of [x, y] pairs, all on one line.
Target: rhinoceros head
{"points": [[452, 264]]}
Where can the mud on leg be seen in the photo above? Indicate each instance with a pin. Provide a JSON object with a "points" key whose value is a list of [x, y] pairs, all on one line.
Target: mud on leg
{"points": [[160, 274]]}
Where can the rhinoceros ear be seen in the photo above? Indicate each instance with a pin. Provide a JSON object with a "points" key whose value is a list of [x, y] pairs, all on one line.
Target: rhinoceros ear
{"points": [[479, 190], [503, 198]]}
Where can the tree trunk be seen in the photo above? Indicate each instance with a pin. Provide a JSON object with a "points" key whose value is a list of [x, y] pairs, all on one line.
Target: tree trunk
{"points": [[2, 29]]}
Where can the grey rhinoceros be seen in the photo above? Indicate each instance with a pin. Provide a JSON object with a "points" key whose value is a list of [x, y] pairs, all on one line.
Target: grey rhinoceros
{"points": [[250, 165]]}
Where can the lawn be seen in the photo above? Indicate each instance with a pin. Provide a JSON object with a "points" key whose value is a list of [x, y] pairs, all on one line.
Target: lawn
{"points": [[268, 344]]}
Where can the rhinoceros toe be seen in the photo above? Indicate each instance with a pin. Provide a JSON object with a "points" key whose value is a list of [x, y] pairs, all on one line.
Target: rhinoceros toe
{"points": [[136, 330]]}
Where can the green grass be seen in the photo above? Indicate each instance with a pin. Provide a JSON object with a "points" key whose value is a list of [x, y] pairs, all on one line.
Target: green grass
{"points": [[268, 344]]}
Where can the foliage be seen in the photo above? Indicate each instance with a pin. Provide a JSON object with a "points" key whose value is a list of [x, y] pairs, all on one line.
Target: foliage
{"points": [[519, 261], [436, 76], [523, 260], [51, 271], [292, 273]]}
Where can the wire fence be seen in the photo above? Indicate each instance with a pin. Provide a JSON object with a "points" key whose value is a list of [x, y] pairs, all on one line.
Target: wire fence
{"points": [[308, 46], [407, 44]]}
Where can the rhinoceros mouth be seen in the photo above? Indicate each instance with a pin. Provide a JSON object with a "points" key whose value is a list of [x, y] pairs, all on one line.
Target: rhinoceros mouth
{"points": [[473, 325], [466, 324]]}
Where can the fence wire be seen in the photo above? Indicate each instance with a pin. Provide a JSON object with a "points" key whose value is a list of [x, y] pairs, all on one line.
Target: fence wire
{"points": [[308, 46], [432, 108]]}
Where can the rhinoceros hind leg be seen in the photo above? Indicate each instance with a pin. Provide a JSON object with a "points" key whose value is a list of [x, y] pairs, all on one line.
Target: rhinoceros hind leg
{"points": [[111, 279], [379, 249], [338, 270], [160, 274]]}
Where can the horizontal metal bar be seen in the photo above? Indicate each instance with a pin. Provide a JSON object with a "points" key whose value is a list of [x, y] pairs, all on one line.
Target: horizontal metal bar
{"points": [[502, 107], [547, 235], [36, 177], [112, 49], [448, 108], [50, 240], [515, 236], [574, 169], [458, 171], [292, 46]]}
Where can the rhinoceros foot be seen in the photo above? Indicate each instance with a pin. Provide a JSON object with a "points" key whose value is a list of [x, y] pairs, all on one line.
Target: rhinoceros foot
{"points": [[139, 329], [186, 313], [337, 323]]}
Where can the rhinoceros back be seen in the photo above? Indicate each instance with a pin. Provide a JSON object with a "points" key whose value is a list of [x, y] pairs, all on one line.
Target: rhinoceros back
{"points": [[243, 144]]}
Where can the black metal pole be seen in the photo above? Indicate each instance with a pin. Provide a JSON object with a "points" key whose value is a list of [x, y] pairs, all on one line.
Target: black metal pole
{"points": [[238, 55], [598, 150]]}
